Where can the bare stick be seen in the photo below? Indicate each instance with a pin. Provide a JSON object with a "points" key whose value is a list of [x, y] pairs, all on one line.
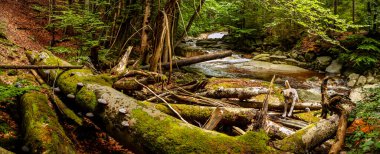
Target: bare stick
{"points": [[171, 108], [39, 67]]}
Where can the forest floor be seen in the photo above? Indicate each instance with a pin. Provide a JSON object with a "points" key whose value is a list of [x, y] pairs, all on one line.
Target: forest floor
{"points": [[23, 32]]}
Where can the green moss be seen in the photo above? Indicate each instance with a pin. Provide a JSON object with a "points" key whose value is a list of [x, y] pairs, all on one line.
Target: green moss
{"points": [[294, 141], [86, 99], [168, 135], [43, 133], [259, 141], [310, 117]]}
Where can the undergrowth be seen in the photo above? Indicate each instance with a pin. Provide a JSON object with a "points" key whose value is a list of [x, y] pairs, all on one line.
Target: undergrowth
{"points": [[7, 92], [369, 111], [363, 52]]}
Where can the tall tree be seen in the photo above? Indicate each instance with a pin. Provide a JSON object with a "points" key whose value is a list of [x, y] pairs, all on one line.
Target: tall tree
{"points": [[145, 30]]}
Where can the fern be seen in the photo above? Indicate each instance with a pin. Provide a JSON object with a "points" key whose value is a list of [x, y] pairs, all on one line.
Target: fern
{"points": [[17, 89], [368, 47]]}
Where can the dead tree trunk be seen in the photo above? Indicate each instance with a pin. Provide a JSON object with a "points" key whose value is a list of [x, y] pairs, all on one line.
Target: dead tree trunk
{"points": [[194, 60], [43, 133], [134, 124], [121, 67]]}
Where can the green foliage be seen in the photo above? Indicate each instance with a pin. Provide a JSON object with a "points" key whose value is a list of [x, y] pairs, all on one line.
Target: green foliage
{"points": [[86, 25], [368, 110], [307, 16], [363, 52], [10, 91]]}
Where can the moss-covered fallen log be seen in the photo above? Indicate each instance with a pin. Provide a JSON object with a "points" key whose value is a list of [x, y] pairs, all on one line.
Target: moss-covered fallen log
{"points": [[231, 116], [146, 129], [43, 133]]}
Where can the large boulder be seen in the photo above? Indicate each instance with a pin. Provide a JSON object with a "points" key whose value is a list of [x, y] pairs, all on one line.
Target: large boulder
{"points": [[335, 67]]}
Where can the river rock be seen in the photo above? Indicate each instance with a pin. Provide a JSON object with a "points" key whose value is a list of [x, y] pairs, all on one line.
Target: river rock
{"points": [[262, 57], [362, 80], [335, 67], [370, 80], [352, 79], [309, 95], [324, 60], [353, 76]]}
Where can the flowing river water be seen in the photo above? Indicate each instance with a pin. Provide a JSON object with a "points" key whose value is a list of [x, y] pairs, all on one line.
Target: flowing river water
{"points": [[305, 81]]}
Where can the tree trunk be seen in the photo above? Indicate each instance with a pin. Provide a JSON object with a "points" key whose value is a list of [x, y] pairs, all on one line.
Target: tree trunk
{"points": [[145, 31], [335, 7], [134, 124], [353, 11], [43, 133], [194, 60]]}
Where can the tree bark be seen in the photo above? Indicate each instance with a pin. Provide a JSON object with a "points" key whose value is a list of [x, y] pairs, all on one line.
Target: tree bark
{"points": [[194, 60], [280, 106], [134, 124], [241, 93], [145, 31], [43, 133]]}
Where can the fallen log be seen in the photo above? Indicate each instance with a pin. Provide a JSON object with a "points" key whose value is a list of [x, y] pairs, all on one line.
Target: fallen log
{"points": [[194, 60], [146, 129], [241, 93], [38, 67], [43, 133], [231, 116], [64, 110], [280, 106]]}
